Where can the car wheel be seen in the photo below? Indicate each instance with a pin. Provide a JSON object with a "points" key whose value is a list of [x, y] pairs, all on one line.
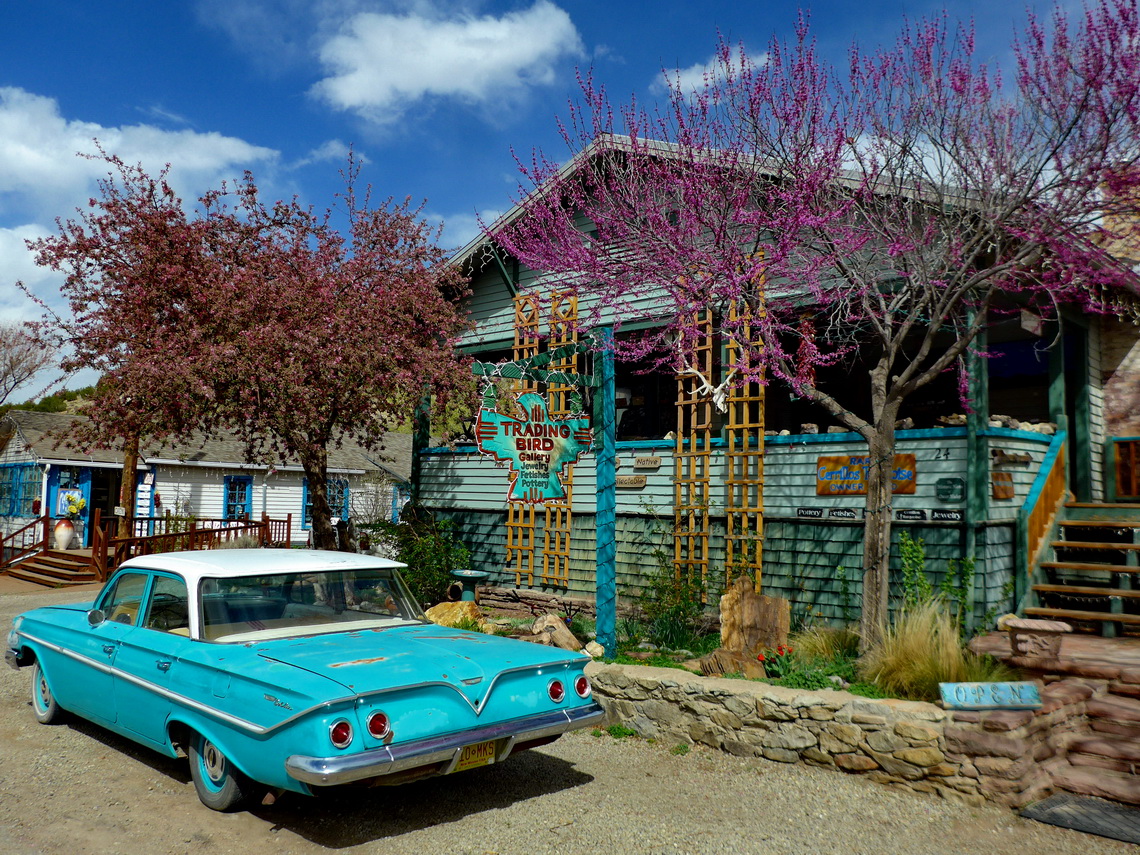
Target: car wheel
{"points": [[218, 783], [43, 701]]}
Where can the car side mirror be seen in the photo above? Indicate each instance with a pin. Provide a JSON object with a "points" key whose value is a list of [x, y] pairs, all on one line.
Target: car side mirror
{"points": [[95, 617]]}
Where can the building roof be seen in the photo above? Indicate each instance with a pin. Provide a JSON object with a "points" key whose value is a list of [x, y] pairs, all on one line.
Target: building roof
{"points": [[47, 437]]}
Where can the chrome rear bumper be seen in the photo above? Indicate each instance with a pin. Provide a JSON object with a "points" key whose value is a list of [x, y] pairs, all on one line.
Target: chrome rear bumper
{"points": [[328, 771]]}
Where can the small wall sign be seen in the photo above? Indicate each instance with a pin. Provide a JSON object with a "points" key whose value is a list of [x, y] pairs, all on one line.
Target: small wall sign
{"points": [[630, 481], [847, 475], [810, 513], [947, 515], [991, 696], [841, 513], [950, 489], [647, 463], [910, 514]]}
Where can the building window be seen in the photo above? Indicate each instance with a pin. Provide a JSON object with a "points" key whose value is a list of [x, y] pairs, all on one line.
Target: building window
{"points": [[238, 497], [338, 501], [19, 489]]}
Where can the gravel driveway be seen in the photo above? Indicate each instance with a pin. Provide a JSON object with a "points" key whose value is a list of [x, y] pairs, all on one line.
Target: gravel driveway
{"points": [[77, 789]]}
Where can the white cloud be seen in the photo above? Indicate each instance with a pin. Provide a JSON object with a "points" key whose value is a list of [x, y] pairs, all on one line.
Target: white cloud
{"points": [[18, 264], [458, 229], [379, 64], [330, 151], [41, 177], [697, 77]]}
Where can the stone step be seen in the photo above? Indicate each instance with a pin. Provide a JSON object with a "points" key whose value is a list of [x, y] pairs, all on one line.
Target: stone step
{"points": [[1115, 753], [1114, 708], [1094, 781]]}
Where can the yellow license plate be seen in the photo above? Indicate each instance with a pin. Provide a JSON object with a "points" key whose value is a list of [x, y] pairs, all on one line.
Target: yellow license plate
{"points": [[473, 756]]}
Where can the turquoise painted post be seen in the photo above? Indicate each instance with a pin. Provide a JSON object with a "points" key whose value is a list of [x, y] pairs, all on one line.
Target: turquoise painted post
{"points": [[605, 516]]}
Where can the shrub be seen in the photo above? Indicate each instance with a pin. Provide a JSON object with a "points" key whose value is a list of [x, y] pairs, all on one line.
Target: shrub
{"points": [[430, 549], [825, 642], [921, 650]]}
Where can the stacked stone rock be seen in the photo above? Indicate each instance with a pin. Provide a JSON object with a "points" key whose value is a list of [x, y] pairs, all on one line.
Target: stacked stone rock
{"points": [[1003, 756]]}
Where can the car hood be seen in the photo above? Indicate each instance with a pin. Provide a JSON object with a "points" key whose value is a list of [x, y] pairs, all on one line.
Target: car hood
{"points": [[374, 660]]}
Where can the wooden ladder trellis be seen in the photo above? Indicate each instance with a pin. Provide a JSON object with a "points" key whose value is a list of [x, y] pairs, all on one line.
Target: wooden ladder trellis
{"points": [[558, 522], [521, 515], [692, 459], [744, 478]]}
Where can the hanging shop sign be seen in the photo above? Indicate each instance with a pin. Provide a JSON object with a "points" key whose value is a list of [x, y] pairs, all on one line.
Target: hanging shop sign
{"points": [[847, 475], [950, 489], [537, 447]]}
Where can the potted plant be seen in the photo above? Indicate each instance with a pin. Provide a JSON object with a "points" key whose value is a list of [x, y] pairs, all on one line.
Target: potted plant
{"points": [[66, 527]]}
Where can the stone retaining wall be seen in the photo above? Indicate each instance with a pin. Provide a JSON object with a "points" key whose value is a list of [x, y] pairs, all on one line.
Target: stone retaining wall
{"points": [[1000, 755]]}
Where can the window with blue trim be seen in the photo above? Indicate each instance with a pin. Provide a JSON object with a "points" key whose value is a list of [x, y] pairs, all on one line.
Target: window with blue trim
{"points": [[337, 489], [19, 489], [238, 497]]}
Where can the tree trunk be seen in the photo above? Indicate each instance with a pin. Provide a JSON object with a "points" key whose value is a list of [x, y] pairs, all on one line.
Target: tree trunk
{"points": [[316, 470], [128, 487], [877, 536]]}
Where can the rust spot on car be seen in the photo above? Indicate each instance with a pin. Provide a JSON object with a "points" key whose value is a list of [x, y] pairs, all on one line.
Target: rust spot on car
{"points": [[358, 662]]}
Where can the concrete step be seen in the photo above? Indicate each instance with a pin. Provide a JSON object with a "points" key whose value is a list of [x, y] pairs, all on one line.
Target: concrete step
{"points": [[1095, 781]]}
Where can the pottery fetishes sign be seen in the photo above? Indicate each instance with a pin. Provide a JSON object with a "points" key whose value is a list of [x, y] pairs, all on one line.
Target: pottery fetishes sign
{"points": [[536, 446], [847, 475]]}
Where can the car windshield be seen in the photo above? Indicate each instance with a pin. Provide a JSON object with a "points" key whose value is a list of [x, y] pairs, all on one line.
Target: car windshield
{"points": [[281, 605]]}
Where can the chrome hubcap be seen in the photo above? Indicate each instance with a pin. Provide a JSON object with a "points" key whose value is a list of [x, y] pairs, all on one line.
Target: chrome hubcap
{"points": [[213, 762], [45, 694]]}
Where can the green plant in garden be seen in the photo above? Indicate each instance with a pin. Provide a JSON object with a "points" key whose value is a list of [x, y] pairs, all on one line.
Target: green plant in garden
{"points": [[922, 649], [670, 606], [777, 662], [620, 731], [430, 549], [680, 749], [846, 598], [912, 557]]}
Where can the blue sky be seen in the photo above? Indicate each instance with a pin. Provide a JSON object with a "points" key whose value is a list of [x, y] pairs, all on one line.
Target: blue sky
{"points": [[433, 95]]}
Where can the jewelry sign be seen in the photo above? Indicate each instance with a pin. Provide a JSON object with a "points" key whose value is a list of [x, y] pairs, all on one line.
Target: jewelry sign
{"points": [[536, 446]]}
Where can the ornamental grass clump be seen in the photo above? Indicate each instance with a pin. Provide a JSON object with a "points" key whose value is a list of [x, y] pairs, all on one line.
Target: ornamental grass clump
{"points": [[922, 649]]}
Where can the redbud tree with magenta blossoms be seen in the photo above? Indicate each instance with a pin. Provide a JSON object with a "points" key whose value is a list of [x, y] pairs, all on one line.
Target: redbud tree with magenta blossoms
{"points": [[885, 208]]}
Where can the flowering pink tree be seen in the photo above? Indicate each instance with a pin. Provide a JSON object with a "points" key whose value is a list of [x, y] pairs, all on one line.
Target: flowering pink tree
{"points": [[261, 318], [880, 209]]}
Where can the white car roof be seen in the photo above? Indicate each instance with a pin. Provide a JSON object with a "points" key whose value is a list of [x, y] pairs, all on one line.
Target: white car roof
{"points": [[227, 563]]}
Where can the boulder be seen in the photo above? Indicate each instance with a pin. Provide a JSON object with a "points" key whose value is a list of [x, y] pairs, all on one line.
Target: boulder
{"points": [[555, 627]]}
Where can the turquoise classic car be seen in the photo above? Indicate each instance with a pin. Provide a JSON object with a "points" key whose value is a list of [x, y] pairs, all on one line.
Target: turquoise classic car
{"points": [[277, 670]]}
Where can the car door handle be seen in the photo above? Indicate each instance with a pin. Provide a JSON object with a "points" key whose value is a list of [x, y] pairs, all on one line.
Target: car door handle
{"points": [[108, 649], [163, 664]]}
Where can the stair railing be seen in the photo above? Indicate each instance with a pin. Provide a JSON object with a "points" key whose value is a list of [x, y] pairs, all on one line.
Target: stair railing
{"points": [[1037, 517], [26, 540]]}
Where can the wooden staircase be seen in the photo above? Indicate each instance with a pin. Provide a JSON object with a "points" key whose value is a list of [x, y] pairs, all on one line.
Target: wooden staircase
{"points": [[55, 568], [1093, 577]]}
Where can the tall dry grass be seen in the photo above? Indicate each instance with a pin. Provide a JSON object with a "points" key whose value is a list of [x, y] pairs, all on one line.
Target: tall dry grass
{"points": [[922, 649]]}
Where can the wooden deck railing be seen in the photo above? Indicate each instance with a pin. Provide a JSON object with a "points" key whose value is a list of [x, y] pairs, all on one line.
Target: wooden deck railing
{"points": [[33, 537], [1124, 460], [1039, 512], [108, 551]]}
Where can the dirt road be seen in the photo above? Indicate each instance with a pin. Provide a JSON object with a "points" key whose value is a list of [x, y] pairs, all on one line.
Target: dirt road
{"points": [[77, 789]]}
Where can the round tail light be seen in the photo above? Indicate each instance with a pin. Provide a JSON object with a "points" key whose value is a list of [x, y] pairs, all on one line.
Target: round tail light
{"points": [[340, 733], [379, 725], [556, 691], [582, 686]]}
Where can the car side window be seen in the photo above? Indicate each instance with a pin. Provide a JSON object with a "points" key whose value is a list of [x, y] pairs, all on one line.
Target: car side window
{"points": [[168, 607], [123, 602]]}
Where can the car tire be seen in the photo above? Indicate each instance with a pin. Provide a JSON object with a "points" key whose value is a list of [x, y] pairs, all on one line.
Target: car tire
{"points": [[43, 701], [219, 784]]}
